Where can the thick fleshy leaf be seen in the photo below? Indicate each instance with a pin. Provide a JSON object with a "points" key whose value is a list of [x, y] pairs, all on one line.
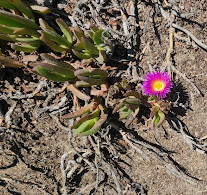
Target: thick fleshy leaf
{"points": [[40, 9], [154, 110], [7, 38], [94, 72], [22, 8], [155, 120], [81, 55], [97, 37], [79, 112], [118, 106], [93, 76], [29, 40], [50, 75], [61, 41], [52, 60], [89, 132], [44, 26], [53, 35], [133, 93], [12, 20], [124, 114], [78, 33], [91, 33], [78, 93], [101, 120], [135, 101], [85, 126], [7, 61], [78, 46], [26, 31], [89, 46], [93, 27], [54, 46], [162, 118], [57, 69], [94, 114], [7, 30], [24, 48], [6, 4], [65, 29]]}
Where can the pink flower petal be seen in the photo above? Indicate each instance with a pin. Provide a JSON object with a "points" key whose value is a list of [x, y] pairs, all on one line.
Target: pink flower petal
{"points": [[157, 84]]}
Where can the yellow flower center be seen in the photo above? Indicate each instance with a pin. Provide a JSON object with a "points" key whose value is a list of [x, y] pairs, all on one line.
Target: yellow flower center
{"points": [[158, 85]]}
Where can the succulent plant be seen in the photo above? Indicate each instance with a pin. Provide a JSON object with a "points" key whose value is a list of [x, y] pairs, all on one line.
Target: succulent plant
{"points": [[128, 105], [20, 29], [60, 71], [52, 39], [55, 70], [89, 77], [95, 48], [92, 116], [158, 117]]}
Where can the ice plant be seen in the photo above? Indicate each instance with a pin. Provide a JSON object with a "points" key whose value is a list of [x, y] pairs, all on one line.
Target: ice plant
{"points": [[157, 84]]}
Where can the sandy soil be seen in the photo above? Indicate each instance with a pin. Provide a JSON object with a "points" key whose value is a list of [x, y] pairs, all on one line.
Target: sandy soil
{"points": [[34, 145]]}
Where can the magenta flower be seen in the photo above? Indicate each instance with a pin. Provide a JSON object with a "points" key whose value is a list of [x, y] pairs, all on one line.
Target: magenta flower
{"points": [[157, 84]]}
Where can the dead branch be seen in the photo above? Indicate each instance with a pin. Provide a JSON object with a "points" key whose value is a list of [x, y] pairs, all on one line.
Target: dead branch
{"points": [[37, 186], [199, 43], [8, 115]]}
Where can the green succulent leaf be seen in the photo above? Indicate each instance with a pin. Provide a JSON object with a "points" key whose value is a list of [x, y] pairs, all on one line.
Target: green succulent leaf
{"points": [[54, 36], [58, 63], [24, 48], [135, 101], [101, 120], [162, 118], [26, 11], [97, 37], [81, 55], [118, 106], [65, 29], [80, 112], [131, 93], [7, 5], [154, 110], [85, 127], [78, 33], [94, 28], [89, 46], [90, 33], [57, 69], [51, 75], [7, 30], [30, 40], [93, 77], [156, 120], [7, 38], [9, 19], [26, 31], [124, 113], [59, 40], [94, 114], [78, 46], [50, 43]]}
